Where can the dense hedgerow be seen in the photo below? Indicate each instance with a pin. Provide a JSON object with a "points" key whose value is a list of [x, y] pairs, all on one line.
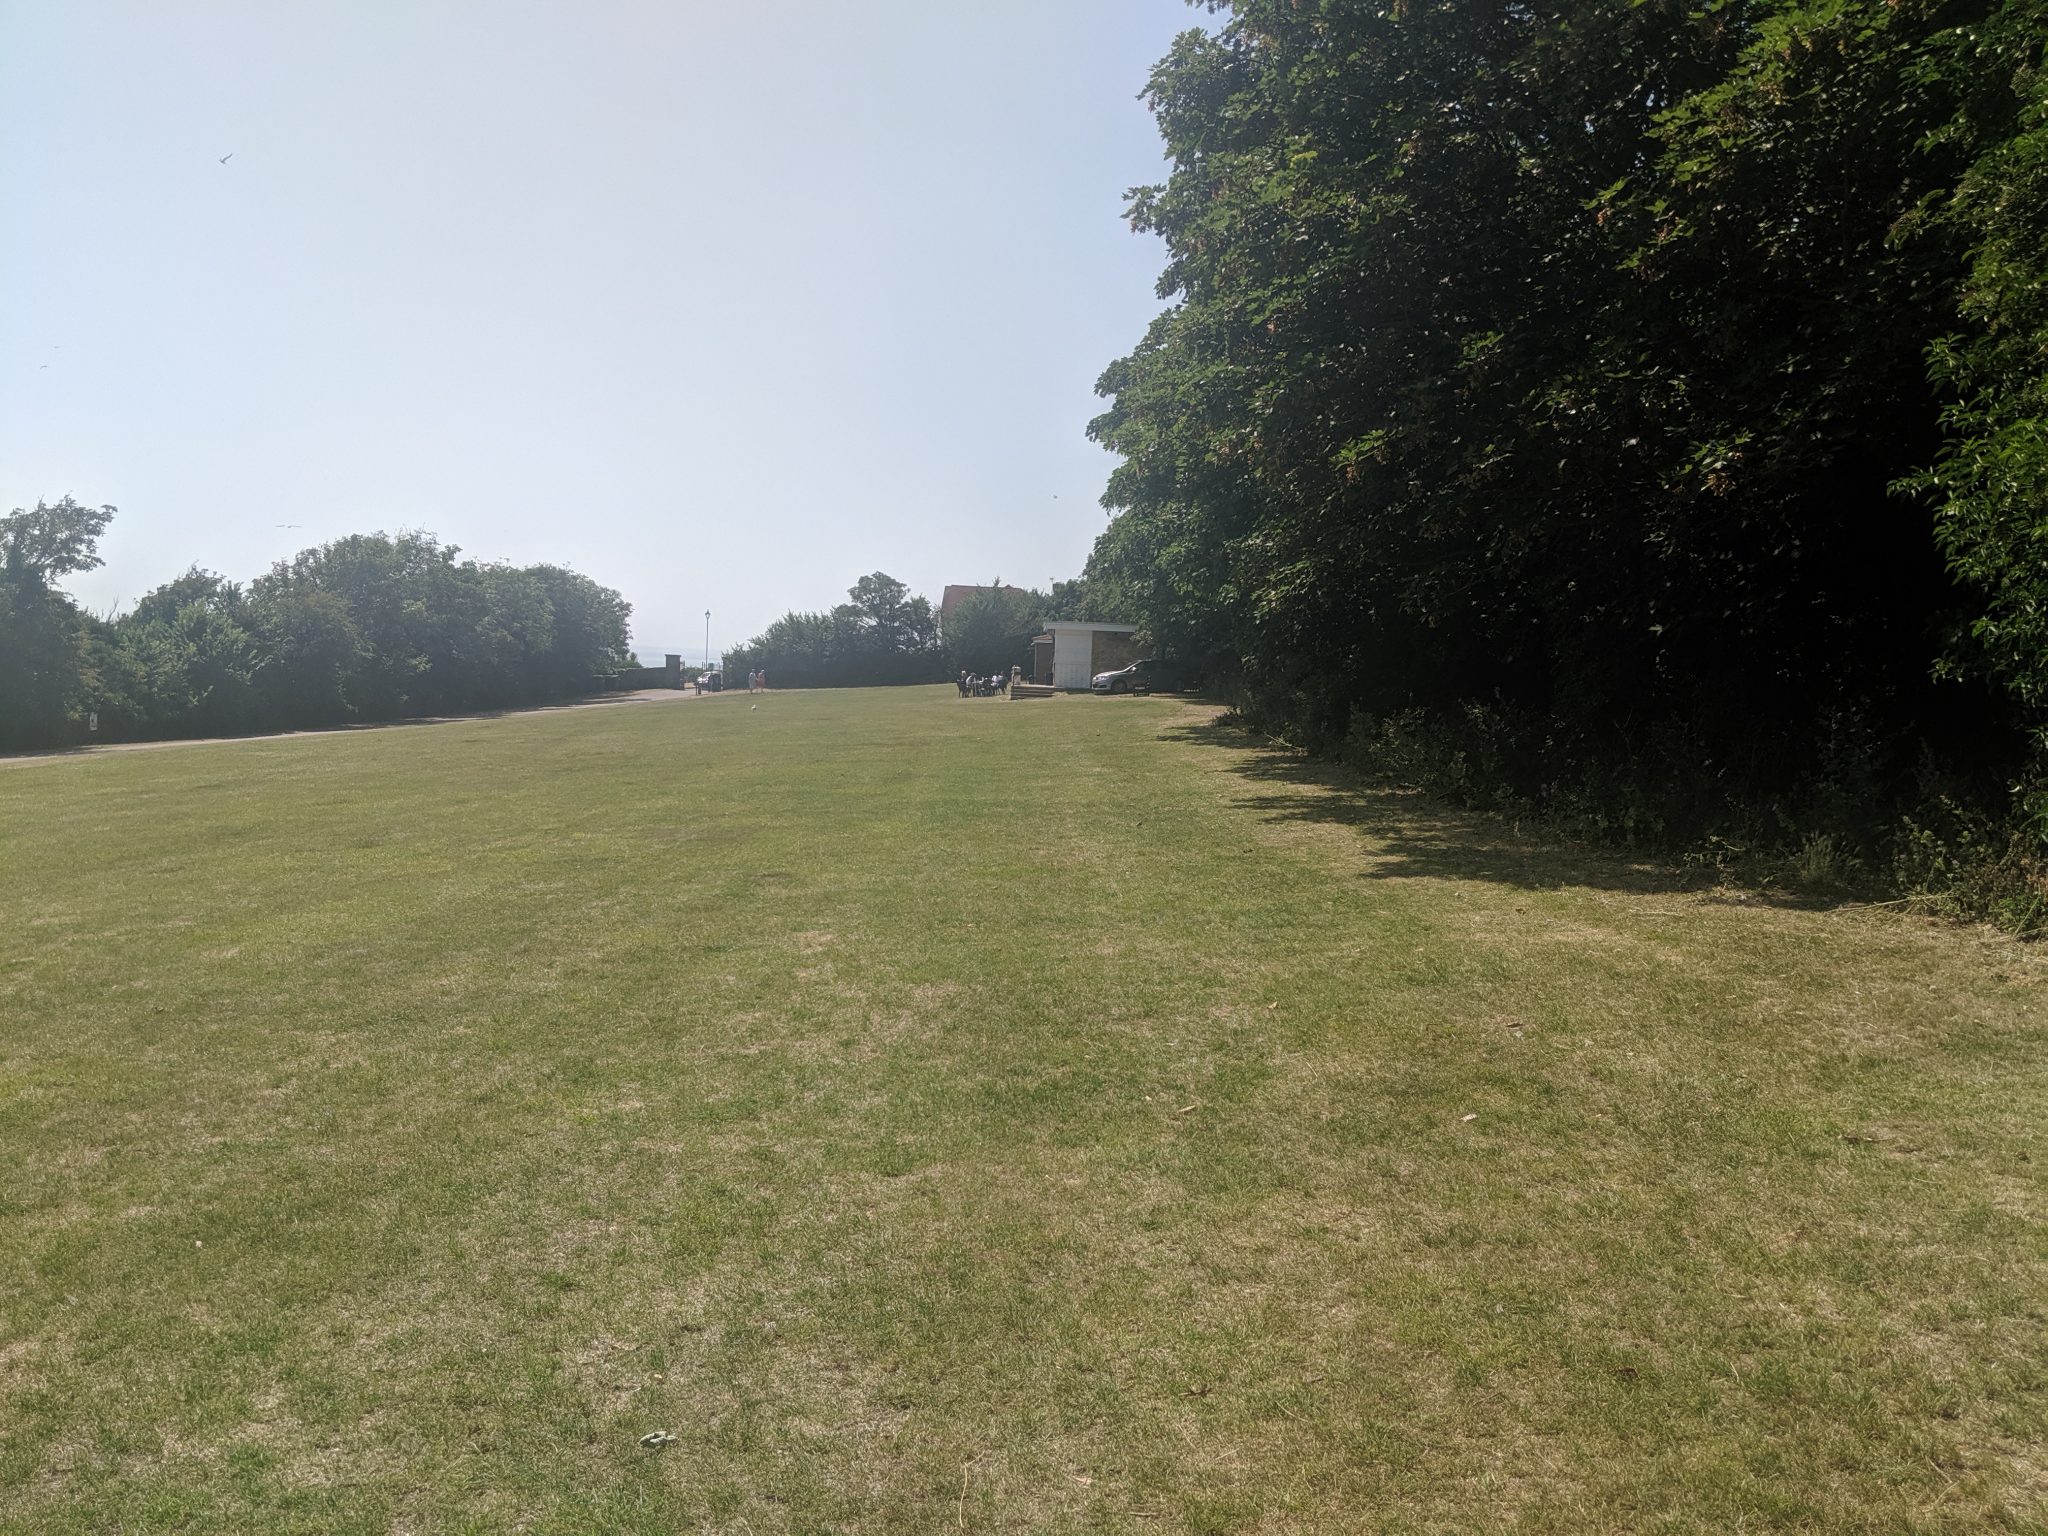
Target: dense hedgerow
{"points": [[369, 627]]}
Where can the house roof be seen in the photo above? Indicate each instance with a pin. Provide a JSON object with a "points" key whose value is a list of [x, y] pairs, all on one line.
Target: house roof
{"points": [[1053, 626]]}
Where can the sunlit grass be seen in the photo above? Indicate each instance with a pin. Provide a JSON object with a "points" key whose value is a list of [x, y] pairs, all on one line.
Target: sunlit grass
{"points": [[949, 1114]]}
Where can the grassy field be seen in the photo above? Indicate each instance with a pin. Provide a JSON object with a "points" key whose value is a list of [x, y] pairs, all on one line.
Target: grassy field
{"points": [[949, 1115]]}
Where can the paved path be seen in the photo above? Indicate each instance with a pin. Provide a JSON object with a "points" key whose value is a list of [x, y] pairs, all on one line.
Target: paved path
{"points": [[642, 696]]}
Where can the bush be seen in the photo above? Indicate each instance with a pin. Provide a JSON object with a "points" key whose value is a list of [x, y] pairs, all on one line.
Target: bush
{"points": [[1959, 851], [1961, 863]]}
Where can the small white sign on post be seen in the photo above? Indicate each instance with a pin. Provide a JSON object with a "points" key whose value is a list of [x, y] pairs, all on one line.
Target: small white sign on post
{"points": [[92, 720]]}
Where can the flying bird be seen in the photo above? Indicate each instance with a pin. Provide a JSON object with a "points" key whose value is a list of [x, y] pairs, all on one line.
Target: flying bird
{"points": [[224, 159]]}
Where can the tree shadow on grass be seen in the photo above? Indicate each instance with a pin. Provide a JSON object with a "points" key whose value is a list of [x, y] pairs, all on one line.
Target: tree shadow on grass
{"points": [[1407, 835]]}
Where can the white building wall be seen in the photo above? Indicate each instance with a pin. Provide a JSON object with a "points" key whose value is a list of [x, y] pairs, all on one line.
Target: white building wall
{"points": [[1073, 653]]}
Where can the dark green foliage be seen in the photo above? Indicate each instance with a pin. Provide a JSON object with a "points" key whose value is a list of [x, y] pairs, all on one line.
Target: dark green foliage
{"points": [[883, 635], [1991, 482], [369, 627], [880, 635], [41, 631], [989, 632], [36, 548], [1554, 367]]}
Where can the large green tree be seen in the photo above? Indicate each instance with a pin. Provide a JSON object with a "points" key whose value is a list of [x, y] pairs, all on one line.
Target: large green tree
{"points": [[381, 625], [42, 633], [881, 634], [1555, 363], [990, 630], [370, 626], [1990, 484]]}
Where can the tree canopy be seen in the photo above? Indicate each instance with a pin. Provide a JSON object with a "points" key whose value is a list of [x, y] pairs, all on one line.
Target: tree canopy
{"points": [[881, 634], [1636, 379], [368, 627], [51, 542]]}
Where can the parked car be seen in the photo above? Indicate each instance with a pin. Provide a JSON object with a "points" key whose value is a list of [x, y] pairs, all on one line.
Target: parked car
{"points": [[1138, 677], [711, 682]]}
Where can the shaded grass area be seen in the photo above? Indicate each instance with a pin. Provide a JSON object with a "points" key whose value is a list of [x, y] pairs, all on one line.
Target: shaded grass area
{"points": [[948, 1114]]}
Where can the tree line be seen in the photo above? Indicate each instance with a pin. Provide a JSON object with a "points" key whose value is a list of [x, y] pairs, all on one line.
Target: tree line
{"points": [[382, 627], [368, 627], [883, 634], [1636, 409]]}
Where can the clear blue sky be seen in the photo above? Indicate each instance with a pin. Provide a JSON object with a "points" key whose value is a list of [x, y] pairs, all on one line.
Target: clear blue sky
{"points": [[723, 304]]}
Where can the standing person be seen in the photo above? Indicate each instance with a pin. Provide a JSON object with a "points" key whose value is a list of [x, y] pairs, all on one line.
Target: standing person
{"points": [[764, 679]]}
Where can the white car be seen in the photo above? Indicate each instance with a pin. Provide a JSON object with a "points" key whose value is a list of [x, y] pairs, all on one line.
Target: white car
{"points": [[1138, 677]]}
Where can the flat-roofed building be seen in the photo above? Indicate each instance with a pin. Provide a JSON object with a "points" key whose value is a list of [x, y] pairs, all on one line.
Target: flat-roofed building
{"points": [[1071, 651]]}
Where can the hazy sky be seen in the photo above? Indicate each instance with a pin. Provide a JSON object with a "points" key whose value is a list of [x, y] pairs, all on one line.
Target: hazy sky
{"points": [[723, 304]]}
